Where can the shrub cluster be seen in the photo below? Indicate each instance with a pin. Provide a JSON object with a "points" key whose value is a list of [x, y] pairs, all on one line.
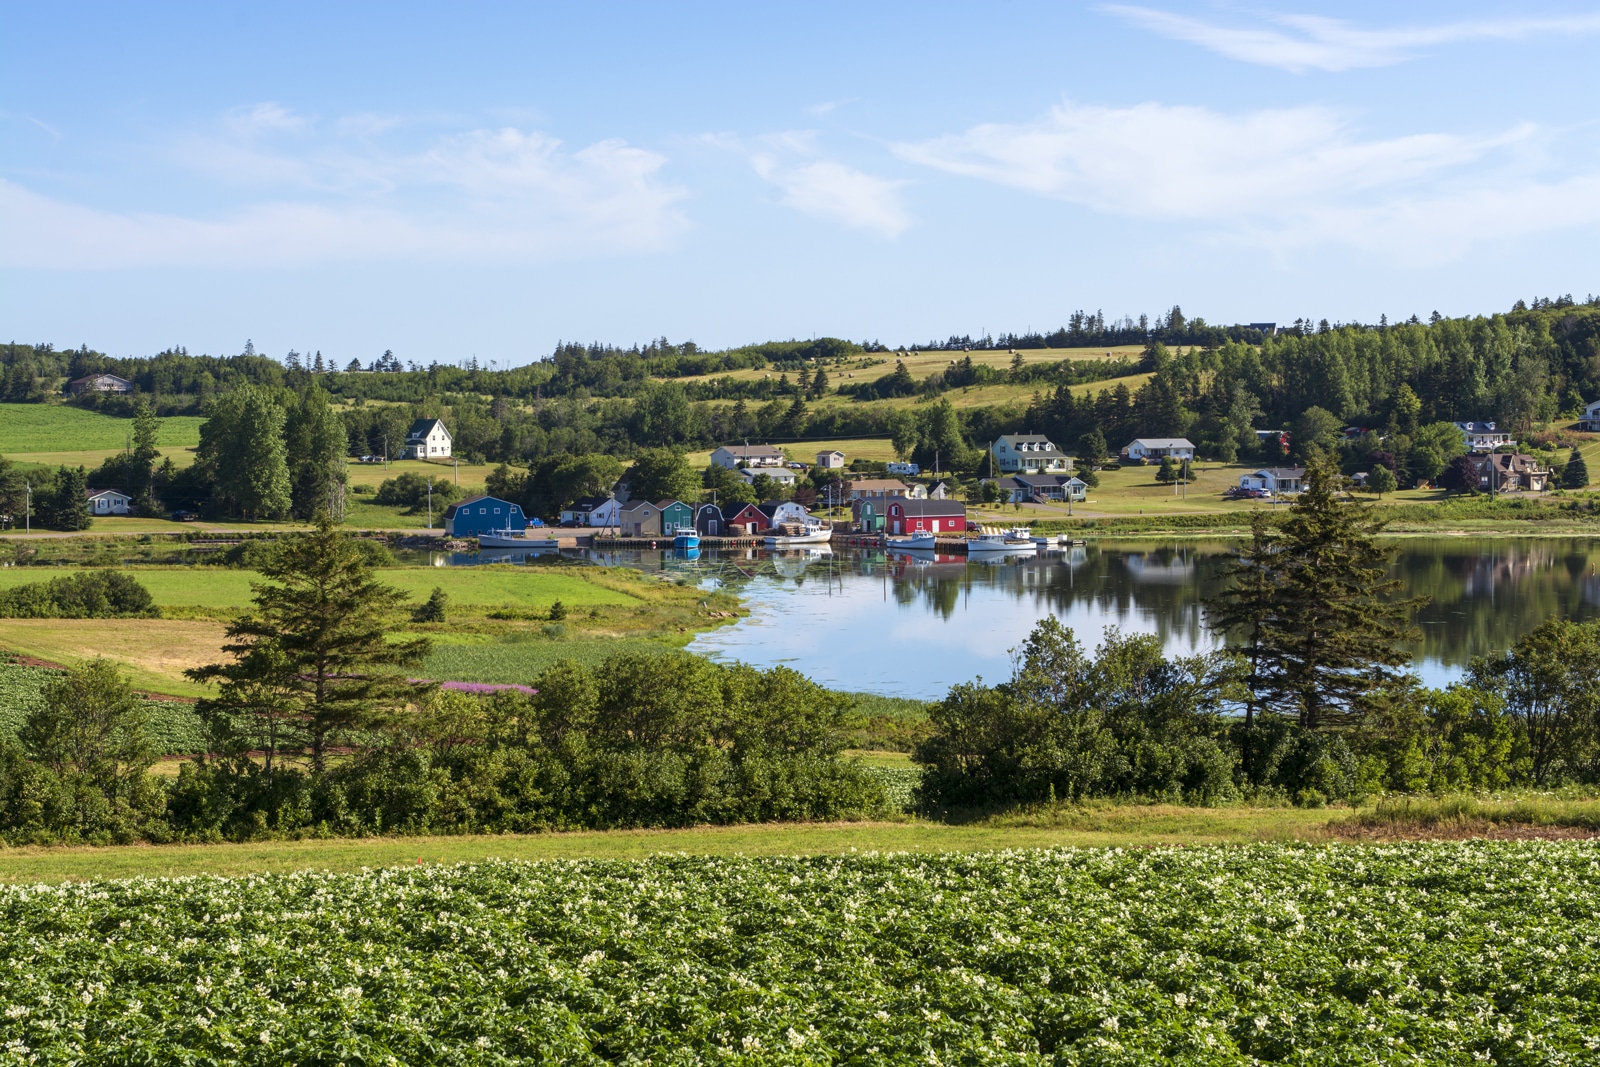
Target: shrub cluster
{"points": [[103, 594]]}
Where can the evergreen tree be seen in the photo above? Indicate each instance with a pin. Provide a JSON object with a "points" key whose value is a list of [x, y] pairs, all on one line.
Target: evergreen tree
{"points": [[242, 452], [1576, 474], [316, 447], [1092, 450], [1169, 471], [795, 419], [819, 383], [1334, 633], [1381, 480], [433, 609], [313, 663], [67, 506], [1247, 607]]}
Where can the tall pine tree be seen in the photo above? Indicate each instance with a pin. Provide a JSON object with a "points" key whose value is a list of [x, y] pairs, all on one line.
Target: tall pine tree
{"points": [[1576, 474]]}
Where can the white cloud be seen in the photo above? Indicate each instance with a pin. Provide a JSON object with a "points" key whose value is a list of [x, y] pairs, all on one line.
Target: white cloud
{"points": [[824, 188], [1313, 42], [485, 195], [1277, 176]]}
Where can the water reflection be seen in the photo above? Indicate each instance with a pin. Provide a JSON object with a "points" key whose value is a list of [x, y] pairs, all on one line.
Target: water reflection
{"points": [[912, 623]]}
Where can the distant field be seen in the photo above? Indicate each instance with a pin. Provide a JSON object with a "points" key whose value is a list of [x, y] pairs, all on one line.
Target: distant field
{"points": [[924, 362], [49, 428]]}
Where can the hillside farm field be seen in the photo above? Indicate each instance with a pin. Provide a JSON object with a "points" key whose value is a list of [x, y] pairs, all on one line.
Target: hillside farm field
{"points": [[1437, 954], [57, 428]]}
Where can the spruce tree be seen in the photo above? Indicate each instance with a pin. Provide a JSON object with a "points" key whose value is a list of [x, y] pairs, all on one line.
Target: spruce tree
{"points": [[313, 663], [1576, 474], [1248, 605], [1333, 631], [67, 507]]}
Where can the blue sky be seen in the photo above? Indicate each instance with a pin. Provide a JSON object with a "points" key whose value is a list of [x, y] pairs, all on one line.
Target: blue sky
{"points": [[483, 179]]}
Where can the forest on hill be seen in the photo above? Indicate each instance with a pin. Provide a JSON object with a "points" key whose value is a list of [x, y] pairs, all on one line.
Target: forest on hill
{"points": [[1531, 365]]}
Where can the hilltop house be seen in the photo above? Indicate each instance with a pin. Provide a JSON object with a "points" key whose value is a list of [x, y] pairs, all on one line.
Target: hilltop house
{"points": [[1029, 452], [1275, 480], [108, 502], [1156, 449], [1483, 437], [99, 383], [833, 461], [926, 516], [780, 475], [732, 456], [1589, 421], [483, 514], [427, 439]]}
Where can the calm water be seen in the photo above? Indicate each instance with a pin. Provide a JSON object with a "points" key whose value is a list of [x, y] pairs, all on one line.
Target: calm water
{"points": [[903, 626]]}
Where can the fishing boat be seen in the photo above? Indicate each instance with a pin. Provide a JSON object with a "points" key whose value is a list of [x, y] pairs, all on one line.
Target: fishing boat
{"points": [[990, 541], [685, 539], [794, 535], [914, 542], [514, 539]]}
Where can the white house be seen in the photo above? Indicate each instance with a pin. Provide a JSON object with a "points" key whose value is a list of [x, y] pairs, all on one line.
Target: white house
{"points": [[593, 511], [1156, 449], [1036, 488], [428, 439], [108, 502], [1275, 480], [940, 490], [99, 383], [1590, 419], [1483, 437], [833, 461], [731, 456], [777, 474], [1029, 452]]}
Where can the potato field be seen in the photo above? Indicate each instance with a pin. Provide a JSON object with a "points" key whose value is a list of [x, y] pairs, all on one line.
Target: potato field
{"points": [[1425, 954]]}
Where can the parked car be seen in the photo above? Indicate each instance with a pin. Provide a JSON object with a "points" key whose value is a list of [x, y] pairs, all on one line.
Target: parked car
{"points": [[181, 515]]}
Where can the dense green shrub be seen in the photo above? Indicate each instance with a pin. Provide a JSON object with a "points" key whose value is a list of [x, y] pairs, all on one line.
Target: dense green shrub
{"points": [[103, 594]]}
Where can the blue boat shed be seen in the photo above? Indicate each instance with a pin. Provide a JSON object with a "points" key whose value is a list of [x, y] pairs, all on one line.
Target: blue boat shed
{"points": [[483, 514]]}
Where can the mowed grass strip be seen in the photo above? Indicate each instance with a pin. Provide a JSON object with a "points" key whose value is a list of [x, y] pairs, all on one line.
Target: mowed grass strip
{"points": [[488, 586], [33, 428], [1126, 826]]}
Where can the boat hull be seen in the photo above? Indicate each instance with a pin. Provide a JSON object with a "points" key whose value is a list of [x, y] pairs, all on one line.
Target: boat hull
{"points": [[508, 540], [914, 542], [686, 541], [817, 537]]}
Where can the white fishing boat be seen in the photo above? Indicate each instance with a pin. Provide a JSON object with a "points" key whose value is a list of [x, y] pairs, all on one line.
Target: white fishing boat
{"points": [[795, 536], [1015, 542], [515, 539], [914, 542]]}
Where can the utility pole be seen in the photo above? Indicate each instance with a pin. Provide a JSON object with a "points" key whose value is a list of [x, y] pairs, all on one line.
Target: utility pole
{"points": [[430, 503], [385, 451]]}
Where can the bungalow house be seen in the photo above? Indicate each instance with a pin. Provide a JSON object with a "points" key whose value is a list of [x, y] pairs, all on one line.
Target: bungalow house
{"points": [[1483, 437], [640, 519], [833, 461], [867, 515], [427, 439], [108, 502], [735, 456], [99, 383], [777, 474], [1275, 480], [745, 522], [1590, 419], [708, 521], [1513, 472], [483, 514], [1037, 488], [940, 490], [1030, 452], [1156, 449], [779, 512], [926, 516], [592, 511], [876, 488], [675, 516]]}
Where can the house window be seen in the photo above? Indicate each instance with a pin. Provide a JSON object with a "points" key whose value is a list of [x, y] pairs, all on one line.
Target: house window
{"points": [[483, 511]]}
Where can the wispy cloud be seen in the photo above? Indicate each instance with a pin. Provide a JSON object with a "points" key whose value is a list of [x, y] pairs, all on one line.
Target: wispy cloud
{"points": [[817, 185], [1300, 43], [491, 195], [1294, 175]]}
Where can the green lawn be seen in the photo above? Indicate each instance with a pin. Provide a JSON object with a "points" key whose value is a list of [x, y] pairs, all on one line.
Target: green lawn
{"points": [[1130, 826], [55, 428]]}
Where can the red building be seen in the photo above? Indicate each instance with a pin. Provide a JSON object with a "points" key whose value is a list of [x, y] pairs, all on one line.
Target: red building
{"points": [[926, 516], [745, 522]]}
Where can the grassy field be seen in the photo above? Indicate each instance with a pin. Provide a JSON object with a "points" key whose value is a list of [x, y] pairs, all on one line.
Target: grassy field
{"points": [[153, 653], [57, 428], [1110, 826]]}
